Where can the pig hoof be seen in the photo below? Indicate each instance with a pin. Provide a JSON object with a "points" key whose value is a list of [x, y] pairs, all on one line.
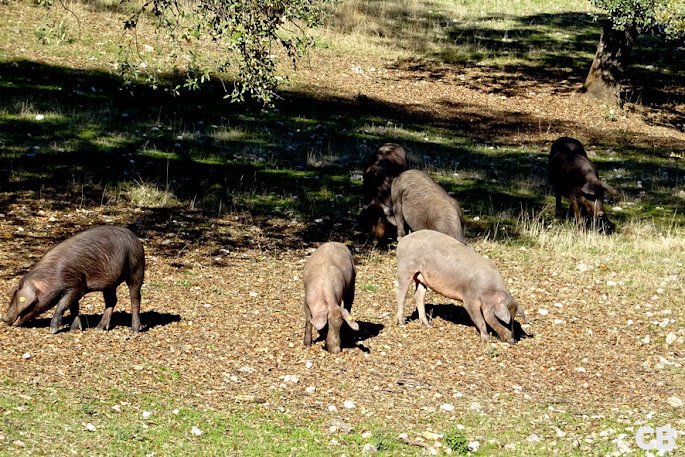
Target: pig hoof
{"points": [[54, 330]]}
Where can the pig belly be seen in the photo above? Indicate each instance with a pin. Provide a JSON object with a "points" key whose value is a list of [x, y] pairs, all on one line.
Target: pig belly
{"points": [[437, 284]]}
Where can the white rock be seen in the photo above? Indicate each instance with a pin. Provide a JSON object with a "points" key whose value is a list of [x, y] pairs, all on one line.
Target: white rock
{"points": [[196, 431], [308, 364], [447, 407], [40, 117], [291, 378], [146, 414], [332, 408], [474, 445], [26, 356], [176, 412], [533, 438], [671, 338], [349, 404], [367, 435], [675, 402], [369, 449], [90, 427], [581, 267], [310, 389], [611, 283], [543, 312], [647, 339]]}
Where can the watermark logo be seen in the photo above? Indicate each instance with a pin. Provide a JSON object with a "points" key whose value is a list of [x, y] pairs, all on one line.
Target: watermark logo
{"points": [[664, 438]]}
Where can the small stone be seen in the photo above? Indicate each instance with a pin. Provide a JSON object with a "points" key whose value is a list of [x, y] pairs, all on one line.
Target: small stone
{"points": [[310, 389], [447, 407], [146, 414], [671, 338], [196, 431], [332, 408], [369, 449], [349, 404], [26, 356], [176, 412], [675, 402], [474, 445], [40, 117], [611, 283], [367, 434], [543, 312], [90, 427], [533, 438], [647, 339]]}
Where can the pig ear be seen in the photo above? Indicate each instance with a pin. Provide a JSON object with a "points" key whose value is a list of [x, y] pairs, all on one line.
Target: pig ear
{"points": [[502, 313], [610, 189], [351, 322], [519, 309], [25, 296], [590, 188], [319, 321]]}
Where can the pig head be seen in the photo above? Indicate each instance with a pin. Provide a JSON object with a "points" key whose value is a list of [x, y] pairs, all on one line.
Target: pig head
{"points": [[573, 175], [28, 301]]}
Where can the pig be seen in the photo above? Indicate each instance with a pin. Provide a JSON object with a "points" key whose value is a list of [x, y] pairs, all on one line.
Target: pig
{"points": [[329, 276], [447, 266], [573, 175], [97, 259], [421, 203], [376, 217]]}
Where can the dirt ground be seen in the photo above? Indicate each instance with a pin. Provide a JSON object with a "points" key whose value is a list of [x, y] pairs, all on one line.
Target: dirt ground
{"points": [[224, 324]]}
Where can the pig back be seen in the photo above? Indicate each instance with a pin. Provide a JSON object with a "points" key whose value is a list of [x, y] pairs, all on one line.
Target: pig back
{"points": [[330, 267], [103, 257], [447, 265], [569, 167]]}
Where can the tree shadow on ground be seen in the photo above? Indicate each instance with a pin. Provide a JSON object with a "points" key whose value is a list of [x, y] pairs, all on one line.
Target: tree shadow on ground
{"points": [[457, 314], [94, 148], [148, 319]]}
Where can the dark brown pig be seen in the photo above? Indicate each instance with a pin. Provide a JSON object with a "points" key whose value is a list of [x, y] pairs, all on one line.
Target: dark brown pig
{"points": [[328, 277], [573, 175], [376, 217], [439, 262], [421, 203], [100, 258]]}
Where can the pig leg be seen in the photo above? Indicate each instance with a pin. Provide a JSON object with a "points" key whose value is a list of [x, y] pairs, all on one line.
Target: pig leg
{"points": [[559, 209], [76, 324], [420, 297], [307, 326], [504, 333], [71, 296], [110, 302], [134, 291], [474, 310], [575, 207], [403, 280], [399, 218]]}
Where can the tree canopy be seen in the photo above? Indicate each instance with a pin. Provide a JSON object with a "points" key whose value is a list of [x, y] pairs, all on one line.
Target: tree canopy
{"points": [[245, 31]]}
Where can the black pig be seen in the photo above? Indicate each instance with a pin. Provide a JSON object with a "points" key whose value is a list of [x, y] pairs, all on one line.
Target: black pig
{"points": [[573, 175], [100, 258], [381, 170]]}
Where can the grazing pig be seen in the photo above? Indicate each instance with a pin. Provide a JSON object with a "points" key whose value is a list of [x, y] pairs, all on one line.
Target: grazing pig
{"points": [[100, 258], [573, 175], [381, 170], [421, 203], [438, 262], [328, 277]]}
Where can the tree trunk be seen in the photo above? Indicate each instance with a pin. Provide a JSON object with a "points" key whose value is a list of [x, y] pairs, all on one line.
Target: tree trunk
{"points": [[611, 60]]}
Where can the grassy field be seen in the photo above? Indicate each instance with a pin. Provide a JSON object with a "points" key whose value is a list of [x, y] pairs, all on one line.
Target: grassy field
{"points": [[231, 199]]}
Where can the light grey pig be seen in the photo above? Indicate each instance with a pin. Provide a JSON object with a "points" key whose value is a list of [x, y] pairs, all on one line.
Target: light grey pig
{"points": [[421, 203], [439, 262], [329, 276]]}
